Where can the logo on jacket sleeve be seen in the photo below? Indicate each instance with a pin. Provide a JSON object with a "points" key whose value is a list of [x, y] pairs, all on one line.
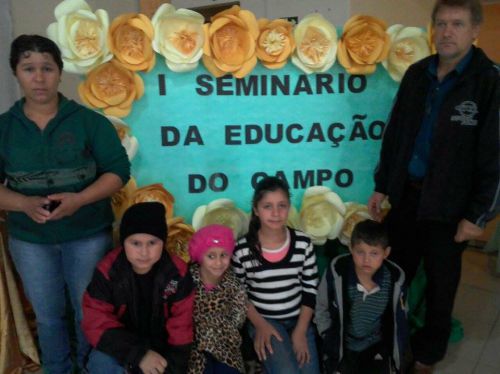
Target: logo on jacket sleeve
{"points": [[467, 110], [170, 289]]}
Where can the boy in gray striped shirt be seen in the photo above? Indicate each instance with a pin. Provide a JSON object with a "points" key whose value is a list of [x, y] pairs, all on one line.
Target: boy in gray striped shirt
{"points": [[360, 310]]}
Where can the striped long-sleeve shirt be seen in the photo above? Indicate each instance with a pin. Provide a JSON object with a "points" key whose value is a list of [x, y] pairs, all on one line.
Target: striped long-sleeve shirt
{"points": [[279, 289]]}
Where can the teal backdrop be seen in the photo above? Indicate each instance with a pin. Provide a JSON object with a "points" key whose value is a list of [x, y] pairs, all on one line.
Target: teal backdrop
{"points": [[205, 138]]}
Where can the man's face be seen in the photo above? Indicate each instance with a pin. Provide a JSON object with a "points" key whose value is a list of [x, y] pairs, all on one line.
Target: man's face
{"points": [[454, 33]]}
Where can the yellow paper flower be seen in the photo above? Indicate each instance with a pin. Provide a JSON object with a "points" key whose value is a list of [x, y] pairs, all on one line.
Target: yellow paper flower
{"points": [[230, 42], [408, 45], [129, 142], [316, 40], [354, 214], [120, 201], [363, 44], [112, 88], [222, 212], [130, 39], [321, 215], [155, 192], [275, 43], [179, 234], [178, 37], [81, 35]]}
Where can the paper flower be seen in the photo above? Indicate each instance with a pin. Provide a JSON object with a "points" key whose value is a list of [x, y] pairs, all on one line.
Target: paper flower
{"points": [[120, 200], [275, 43], [112, 88], [129, 142], [178, 37], [155, 192], [363, 44], [316, 40], [408, 45], [81, 35], [321, 215], [179, 234], [230, 42], [354, 214], [222, 212], [130, 38]]}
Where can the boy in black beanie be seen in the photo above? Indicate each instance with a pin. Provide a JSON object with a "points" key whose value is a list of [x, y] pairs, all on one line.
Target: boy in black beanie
{"points": [[137, 310]]}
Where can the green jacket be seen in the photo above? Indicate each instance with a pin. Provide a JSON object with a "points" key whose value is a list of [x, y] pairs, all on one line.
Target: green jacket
{"points": [[77, 146]]}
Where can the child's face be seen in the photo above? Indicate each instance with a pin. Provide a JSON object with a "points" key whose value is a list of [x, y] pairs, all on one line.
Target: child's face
{"points": [[368, 258], [143, 251], [213, 264], [272, 209]]}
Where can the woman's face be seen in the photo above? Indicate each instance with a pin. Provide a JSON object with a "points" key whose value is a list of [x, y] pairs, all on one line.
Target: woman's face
{"points": [[39, 77]]}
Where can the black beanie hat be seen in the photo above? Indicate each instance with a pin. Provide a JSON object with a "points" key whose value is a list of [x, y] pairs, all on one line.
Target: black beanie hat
{"points": [[144, 218]]}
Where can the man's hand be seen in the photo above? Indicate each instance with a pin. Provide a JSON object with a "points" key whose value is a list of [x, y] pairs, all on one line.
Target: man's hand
{"points": [[466, 230], [374, 205], [153, 363]]}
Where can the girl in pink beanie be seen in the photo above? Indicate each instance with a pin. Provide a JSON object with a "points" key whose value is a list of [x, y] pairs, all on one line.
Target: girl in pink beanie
{"points": [[220, 305]]}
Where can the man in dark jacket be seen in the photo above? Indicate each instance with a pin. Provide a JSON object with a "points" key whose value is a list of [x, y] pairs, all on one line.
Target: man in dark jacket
{"points": [[138, 308], [439, 165]]}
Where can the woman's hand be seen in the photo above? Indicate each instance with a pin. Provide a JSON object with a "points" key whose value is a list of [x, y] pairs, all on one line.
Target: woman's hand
{"points": [[264, 331], [69, 203], [33, 207], [152, 363], [300, 348]]}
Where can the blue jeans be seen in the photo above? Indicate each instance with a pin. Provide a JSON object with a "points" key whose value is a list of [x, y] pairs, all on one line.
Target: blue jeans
{"points": [[101, 363], [283, 360], [46, 270]]}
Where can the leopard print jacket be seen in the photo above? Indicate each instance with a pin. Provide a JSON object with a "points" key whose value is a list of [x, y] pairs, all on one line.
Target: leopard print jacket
{"points": [[218, 315]]}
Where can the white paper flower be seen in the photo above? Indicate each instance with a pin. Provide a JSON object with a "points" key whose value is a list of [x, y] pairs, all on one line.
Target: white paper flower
{"points": [[354, 214], [316, 41], [408, 45], [321, 215], [129, 142], [81, 35], [178, 37], [222, 212]]}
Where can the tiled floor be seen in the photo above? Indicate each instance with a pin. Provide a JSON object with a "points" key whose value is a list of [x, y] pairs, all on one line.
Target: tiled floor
{"points": [[477, 307]]}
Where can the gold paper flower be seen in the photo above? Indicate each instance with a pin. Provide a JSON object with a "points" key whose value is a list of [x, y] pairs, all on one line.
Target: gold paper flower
{"points": [[81, 35], [364, 42], [178, 37], [354, 214], [222, 212], [275, 43], [408, 45], [316, 40], [321, 215], [179, 234], [155, 192], [120, 201], [230, 42], [130, 37], [112, 88], [129, 142]]}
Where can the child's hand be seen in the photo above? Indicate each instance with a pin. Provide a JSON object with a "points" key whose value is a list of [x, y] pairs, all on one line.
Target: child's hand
{"points": [[153, 363], [299, 342], [262, 340]]}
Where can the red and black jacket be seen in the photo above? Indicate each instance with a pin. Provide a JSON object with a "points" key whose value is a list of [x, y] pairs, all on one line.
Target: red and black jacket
{"points": [[110, 311]]}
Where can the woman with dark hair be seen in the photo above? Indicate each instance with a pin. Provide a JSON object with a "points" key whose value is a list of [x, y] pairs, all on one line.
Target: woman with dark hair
{"points": [[277, 265], [59, 164]]}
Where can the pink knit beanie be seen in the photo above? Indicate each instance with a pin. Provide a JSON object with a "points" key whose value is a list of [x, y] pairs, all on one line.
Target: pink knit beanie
{"points": [[209, 237]]}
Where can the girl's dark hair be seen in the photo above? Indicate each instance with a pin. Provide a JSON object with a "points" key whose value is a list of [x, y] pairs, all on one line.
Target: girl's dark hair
{"points": [[33, 43], [265, 185]]}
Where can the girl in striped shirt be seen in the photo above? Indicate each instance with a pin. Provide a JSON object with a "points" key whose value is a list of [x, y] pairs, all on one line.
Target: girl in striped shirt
{"points": [[277, 265]]}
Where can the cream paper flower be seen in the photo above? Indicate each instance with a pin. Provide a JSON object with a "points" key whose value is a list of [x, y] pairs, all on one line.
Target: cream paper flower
{"points": [[354, 214], [179, 37], [129, 142], [316, 40], [81, 35], [408, 45], [275, 43], [222, 212], [321, 215]]}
